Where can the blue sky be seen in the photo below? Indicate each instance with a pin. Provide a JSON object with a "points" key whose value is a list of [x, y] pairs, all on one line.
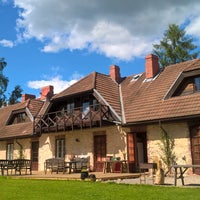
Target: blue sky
{"points": [[57, 42]]}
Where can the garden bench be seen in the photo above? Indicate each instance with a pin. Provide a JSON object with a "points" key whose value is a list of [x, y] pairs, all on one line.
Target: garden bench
{"points": [[17, 165], [54, 165], [6, 165], [22, 165]]}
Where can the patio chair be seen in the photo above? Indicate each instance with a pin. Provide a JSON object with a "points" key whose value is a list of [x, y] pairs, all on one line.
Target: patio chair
{"points": [[145, 172]]}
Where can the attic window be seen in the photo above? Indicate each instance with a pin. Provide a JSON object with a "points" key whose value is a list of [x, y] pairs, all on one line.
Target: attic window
{"points": [[18, 118], [197, 83], [188, 86]]}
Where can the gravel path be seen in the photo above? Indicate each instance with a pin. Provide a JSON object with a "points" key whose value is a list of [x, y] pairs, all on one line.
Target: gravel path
{"points": [[190, 181]]}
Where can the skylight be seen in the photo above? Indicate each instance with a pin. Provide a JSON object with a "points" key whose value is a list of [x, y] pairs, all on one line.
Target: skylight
{"points": [[136, 77]]}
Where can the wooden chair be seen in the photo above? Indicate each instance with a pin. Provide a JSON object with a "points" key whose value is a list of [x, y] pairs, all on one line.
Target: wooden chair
{"points": [[145, 171]]}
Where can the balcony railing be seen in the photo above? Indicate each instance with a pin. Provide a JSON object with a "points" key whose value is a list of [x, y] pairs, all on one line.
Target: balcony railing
{"points": [[64, 120]]}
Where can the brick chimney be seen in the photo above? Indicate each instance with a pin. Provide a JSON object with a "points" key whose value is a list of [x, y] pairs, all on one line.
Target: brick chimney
{"points": [[115, 73], [27, 96], [46, 92], [152, 66]]}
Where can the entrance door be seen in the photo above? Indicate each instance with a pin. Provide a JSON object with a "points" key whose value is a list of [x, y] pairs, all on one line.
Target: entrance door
{"points": [[195, 141], [137, 150], [141, 148], [99, 152], [131, 151], [34, 155]]}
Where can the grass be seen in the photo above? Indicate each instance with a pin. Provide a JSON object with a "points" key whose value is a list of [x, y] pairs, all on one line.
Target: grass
{"points": [[28, 189]]}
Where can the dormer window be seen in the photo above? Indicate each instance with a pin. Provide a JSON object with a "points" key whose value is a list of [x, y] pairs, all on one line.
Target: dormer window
{"points": [[188, 86], [197, 83], [17, 118], [187, 83]]}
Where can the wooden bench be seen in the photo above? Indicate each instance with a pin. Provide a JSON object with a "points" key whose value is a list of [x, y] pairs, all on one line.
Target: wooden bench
{"points": [[22, 165], [18, 165], [6, 165], [54, 165]]}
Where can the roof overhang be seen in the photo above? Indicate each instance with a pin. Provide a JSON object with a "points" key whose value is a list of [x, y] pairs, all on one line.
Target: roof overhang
{"points": [[171, 119]]}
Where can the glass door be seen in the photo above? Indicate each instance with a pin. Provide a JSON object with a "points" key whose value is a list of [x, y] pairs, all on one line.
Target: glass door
{"points": [[34, 155]]}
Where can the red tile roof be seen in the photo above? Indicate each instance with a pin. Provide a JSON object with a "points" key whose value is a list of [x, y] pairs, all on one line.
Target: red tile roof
{"points": [[144, 100], [21, 129], [104, 85], [85, 84]]}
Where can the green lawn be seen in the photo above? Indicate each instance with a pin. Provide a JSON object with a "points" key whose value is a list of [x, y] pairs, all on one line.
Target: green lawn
{"points": [[81, 190]]}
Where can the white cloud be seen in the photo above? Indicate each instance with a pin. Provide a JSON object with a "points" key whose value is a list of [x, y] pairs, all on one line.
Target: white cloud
{"points": [[57, 81], [193, 27], [115, 28], [6, 43]]}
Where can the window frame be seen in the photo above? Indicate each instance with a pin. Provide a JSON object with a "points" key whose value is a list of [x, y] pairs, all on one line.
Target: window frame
{"points": [[9, 151], [60, 147]]}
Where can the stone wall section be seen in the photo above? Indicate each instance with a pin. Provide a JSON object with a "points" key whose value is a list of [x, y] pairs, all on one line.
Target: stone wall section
{"points": [[80, 143], [179, 132]]}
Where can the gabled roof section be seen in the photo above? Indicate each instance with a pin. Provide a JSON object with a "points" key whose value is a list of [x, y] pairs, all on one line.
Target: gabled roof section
{"points": [[103, 84], [109, 90], [85, 84], [144, 101], [31, 107], [34, 106], [192, 69]]}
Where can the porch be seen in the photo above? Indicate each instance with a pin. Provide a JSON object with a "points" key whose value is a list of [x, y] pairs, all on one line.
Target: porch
{"points": [[126, 178], [100, 176]]}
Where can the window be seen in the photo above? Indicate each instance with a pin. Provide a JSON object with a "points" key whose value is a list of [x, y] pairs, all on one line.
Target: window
{"points": [[197, 84], [95, 105], [60, 148], [188, 86], [18, 118], [86, 109], [9, 151], [70, 108]]}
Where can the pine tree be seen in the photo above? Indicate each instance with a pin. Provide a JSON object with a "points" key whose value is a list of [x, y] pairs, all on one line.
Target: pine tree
{"points": [[15, 95], [175, 47]]}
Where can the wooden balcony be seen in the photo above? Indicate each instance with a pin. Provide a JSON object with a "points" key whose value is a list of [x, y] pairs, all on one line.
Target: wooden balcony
{"points": [[93, 116]]}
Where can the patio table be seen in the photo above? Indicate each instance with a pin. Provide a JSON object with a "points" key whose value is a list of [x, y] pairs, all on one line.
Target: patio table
{"points": [[75, 165], [109, 166], [182, 170]]}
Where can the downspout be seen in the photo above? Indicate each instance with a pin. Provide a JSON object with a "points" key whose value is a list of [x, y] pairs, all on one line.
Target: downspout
{"points": [[122, 105]]}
